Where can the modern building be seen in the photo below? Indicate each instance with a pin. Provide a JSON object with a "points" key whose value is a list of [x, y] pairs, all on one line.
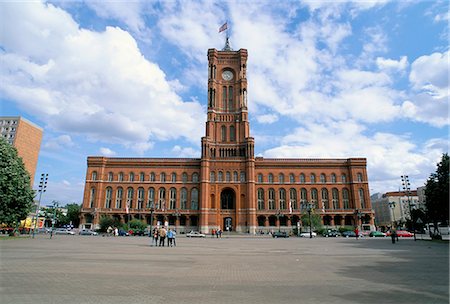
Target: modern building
{"points": [[393, 208], [26, 137], [227, 187]]}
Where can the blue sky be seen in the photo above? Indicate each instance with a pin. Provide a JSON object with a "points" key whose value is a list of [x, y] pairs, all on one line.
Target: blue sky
{"points": [[327, 79]]}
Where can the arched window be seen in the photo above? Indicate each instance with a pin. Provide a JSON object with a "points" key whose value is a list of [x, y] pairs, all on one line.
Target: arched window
{"points": [[260, 178], [195, 177], [173, 177], [261, 199], [232, 133], [271, 199], [359, 177], [235, 176], [313, 178], [291, 178], [335, 198], [142, 176], [325, 200], [162, 177], [194, 199], [223, 133], [119, 198], [362, 201], [230, 98], [151, 198], [130, 194], [270, 178], [110, 177], [224, 97], [292, 199], [183, 198], [344, 178], [94, 175], [323, 179], [303, 196], [152, 177], [281, 178], [92, 198], [314, 197], [333, 178], [131, 177], [172, 198], [184, 177], [140, 198], [302, 178], [120, 177], [220, 176], [282, 196], [228, 176], [161, 199], [108, 196], [346, 198], [212, 177], [242, 176]]}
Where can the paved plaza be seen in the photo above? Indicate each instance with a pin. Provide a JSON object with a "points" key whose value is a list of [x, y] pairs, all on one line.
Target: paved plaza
{"points": [[95, 269]]}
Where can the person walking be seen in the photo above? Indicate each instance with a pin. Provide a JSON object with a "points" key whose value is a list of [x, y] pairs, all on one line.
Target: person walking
{"points": [[393, 236], [174, 238], [169, 238], [155, 234], [162, 236], [356, 232]]}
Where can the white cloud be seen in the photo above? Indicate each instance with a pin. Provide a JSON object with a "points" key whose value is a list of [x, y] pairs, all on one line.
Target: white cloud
{"points": [[267, 118], [391, 64], [107, 152], [60, 142], [111, 93], [185, 152]]}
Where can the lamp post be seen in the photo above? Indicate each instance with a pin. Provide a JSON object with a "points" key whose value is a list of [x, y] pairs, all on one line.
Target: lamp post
{"points": [[392, 207], [42, 189], [407, 189], [278, 215], [152, 208], [309, 207], [55, 205], [177, 215], [358, 216]]}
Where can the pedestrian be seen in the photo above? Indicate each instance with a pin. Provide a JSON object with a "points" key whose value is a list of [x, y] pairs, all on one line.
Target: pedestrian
{"points": [[116, 231], [155, 234], [174, 238], [169, 238], [109, 231], [220, 232], [217, 233], [356, 232], [162, 236], [213, 232], [393, 236]]}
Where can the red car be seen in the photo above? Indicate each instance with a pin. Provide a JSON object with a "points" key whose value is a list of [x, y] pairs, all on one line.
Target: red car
{"points": [[401, 233]]}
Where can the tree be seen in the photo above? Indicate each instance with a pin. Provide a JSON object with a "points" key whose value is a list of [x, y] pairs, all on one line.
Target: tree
{"points": [[16, 195], [316, 222], [436, 193], [106, 221], [73, 214]]}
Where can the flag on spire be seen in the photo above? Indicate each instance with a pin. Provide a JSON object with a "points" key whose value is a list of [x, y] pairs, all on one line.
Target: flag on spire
{"points": [[223, 27]]}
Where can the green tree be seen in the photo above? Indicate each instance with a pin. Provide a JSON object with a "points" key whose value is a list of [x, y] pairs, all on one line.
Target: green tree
{"points": [[316, 222], [106, 221], [73, 214], [436, 193], [16, 195]]}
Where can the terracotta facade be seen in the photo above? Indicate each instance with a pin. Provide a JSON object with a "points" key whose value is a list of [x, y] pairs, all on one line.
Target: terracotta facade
{"points": [[228, 187]]}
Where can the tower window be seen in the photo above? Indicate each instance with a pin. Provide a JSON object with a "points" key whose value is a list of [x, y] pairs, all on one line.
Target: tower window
{"points": [[223, 133], [232, 133]]}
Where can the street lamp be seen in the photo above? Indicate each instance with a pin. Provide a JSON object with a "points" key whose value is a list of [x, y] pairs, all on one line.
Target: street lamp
{"points": [[42, 189], [55, 205], [407, 189], [358, 216], [152, 208], [392, 207], [309, 207], [278, 215]]}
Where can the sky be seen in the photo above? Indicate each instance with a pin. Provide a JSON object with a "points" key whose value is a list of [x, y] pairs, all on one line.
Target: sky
{"points": [[326, 79]]}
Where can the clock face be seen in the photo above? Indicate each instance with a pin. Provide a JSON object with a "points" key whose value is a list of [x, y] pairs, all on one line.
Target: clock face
{"points": [[227, 75]]}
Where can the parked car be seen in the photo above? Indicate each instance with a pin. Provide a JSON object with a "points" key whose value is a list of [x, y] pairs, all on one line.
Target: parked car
{"points": [[122, 232], [404, 233], [87, 232], [331, 233], [348, 234], [306, 234], [195, 234], [64, 231], [280, 234], [377, 234]]}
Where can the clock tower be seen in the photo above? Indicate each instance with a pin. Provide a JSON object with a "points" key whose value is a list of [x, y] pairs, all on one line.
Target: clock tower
{"points": [[227, 163]]}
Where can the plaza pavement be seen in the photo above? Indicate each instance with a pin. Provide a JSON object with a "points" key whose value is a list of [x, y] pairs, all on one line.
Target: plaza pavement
{"points": [[95, 269]]}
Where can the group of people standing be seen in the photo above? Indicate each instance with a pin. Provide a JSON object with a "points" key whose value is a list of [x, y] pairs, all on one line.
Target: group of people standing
{"points": [[216, 232], [159, 236]]}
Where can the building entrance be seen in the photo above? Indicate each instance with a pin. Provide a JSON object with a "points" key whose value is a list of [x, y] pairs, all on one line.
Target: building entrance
{"points": [[228, 224]]}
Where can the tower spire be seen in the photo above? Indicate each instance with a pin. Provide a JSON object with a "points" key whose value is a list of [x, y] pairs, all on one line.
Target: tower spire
{"points": [[227, 46]]}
